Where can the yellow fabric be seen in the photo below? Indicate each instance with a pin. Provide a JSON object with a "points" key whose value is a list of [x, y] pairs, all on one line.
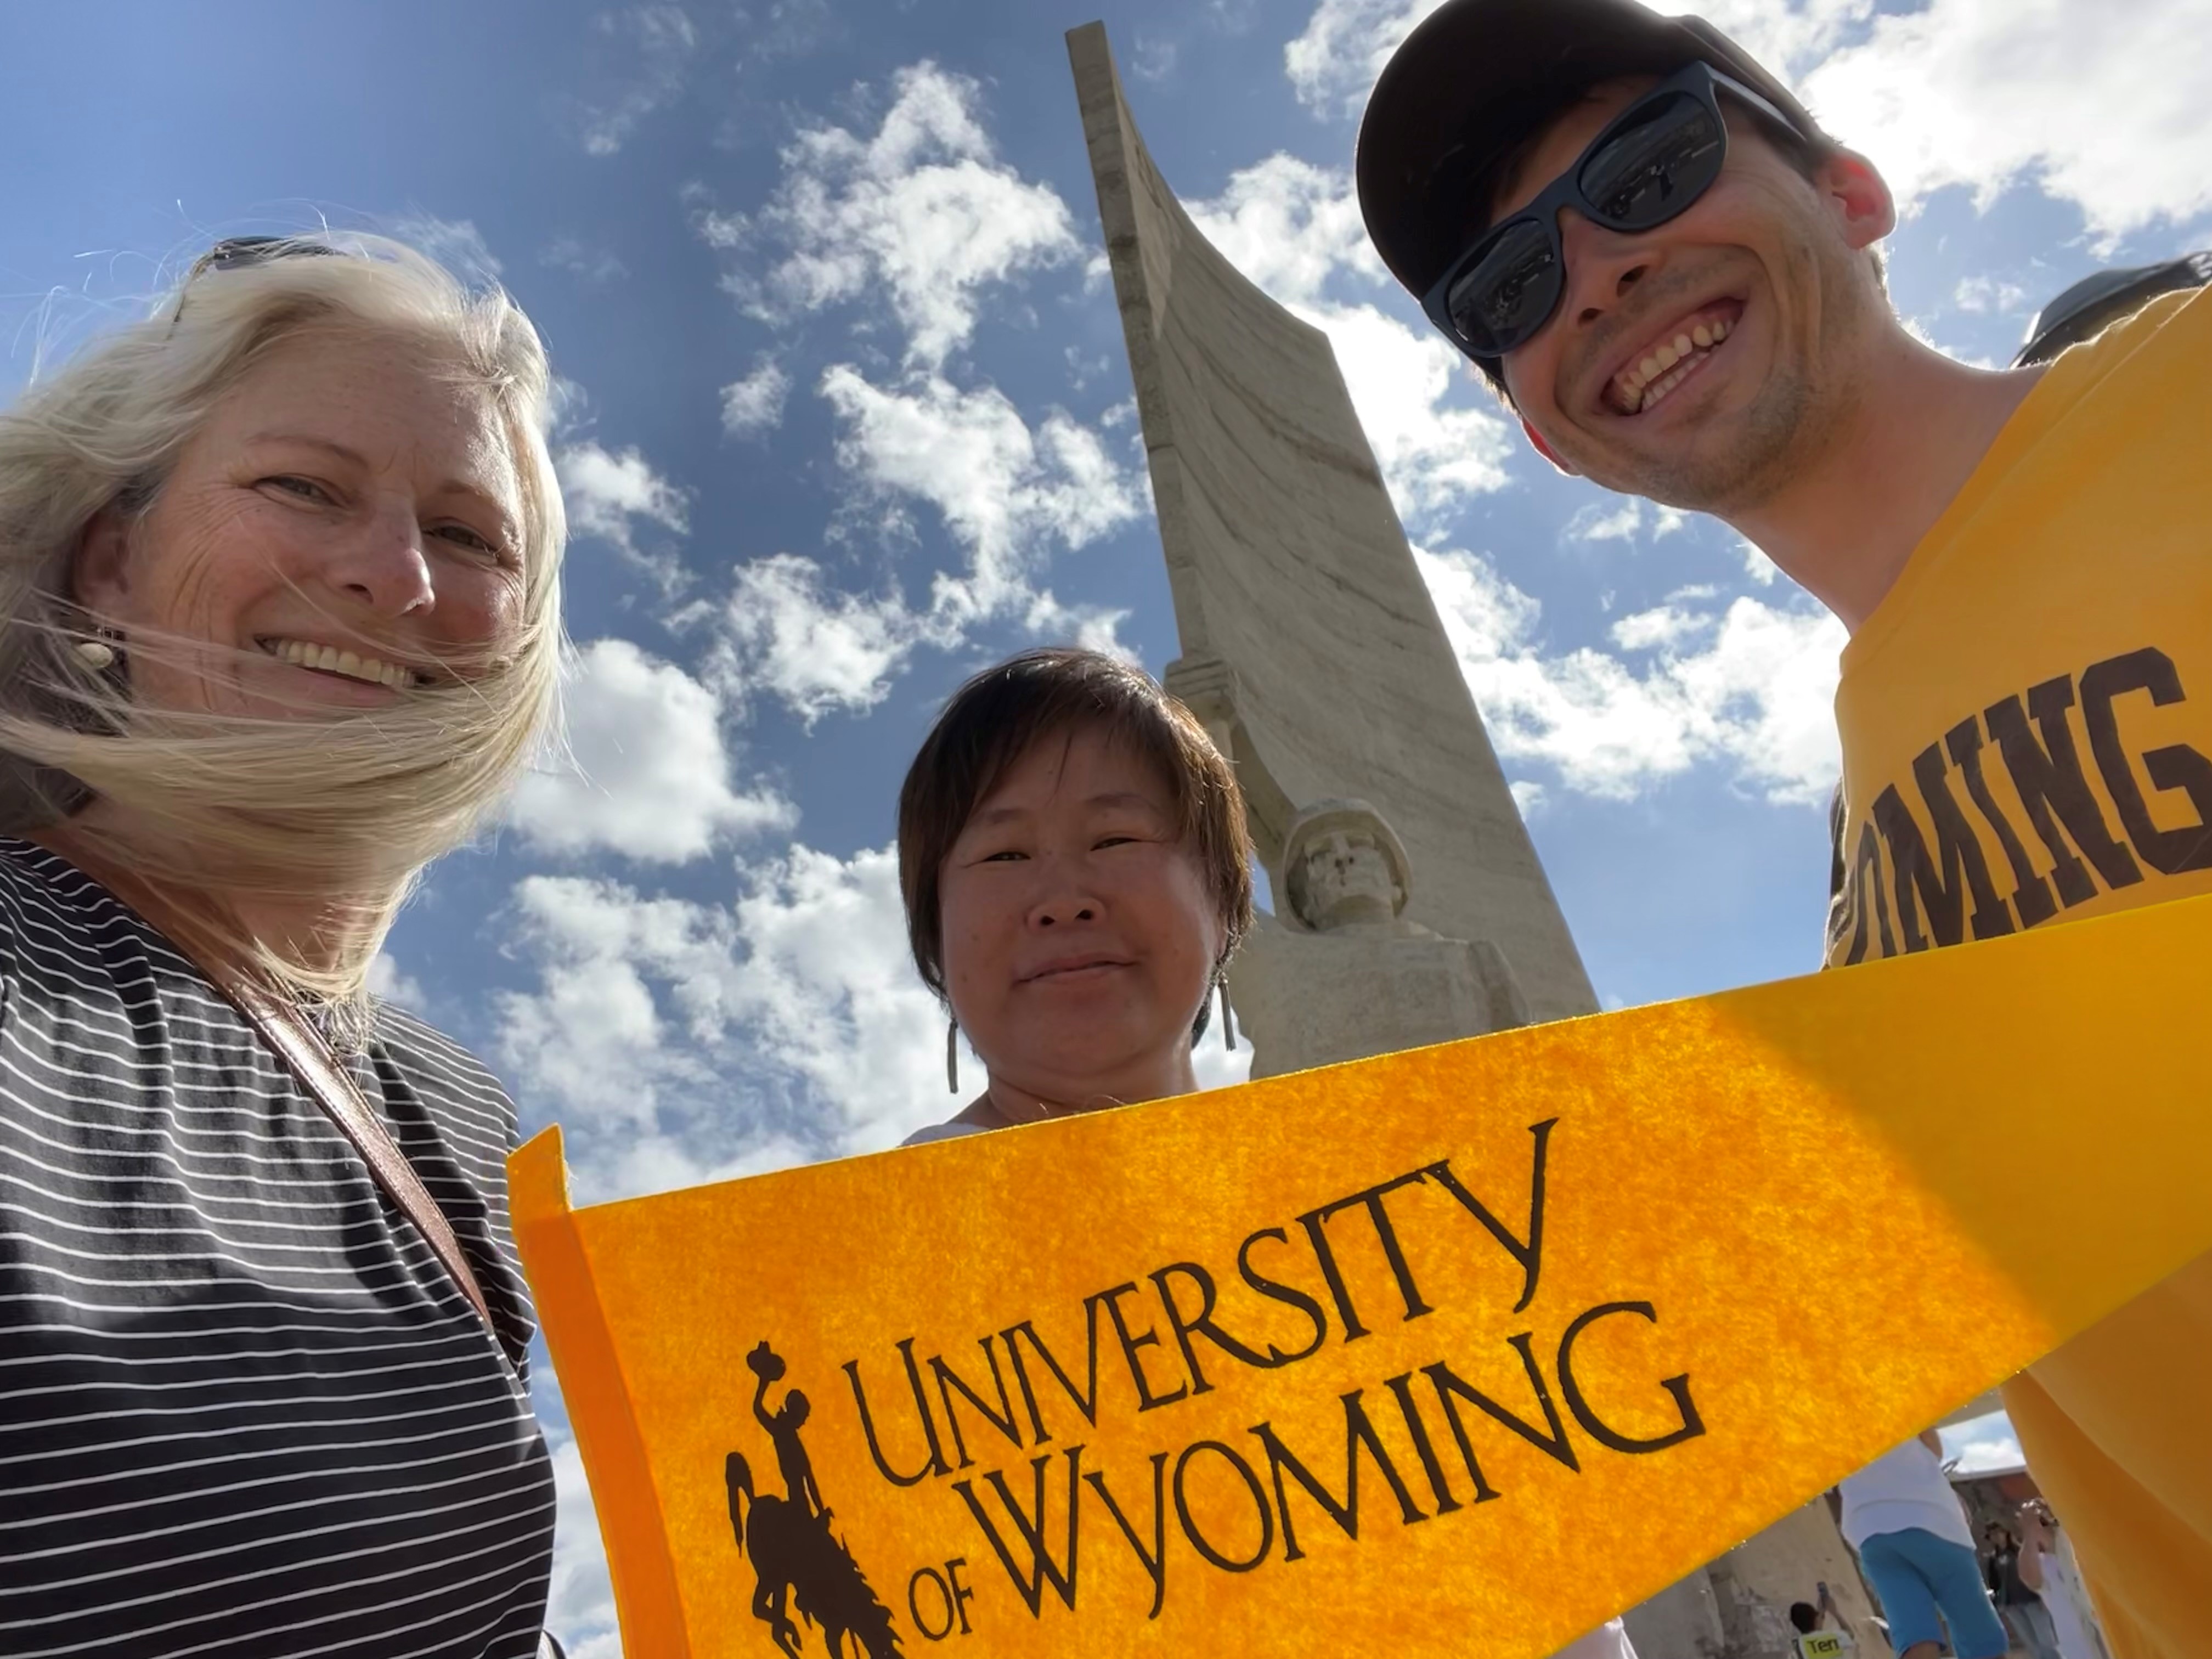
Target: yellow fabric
{"points": [[2026, 721], [1623, 1337]]}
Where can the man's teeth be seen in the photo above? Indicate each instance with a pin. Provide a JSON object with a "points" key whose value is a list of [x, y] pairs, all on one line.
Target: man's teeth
{"points": [[1667, 366], [302, 653]]}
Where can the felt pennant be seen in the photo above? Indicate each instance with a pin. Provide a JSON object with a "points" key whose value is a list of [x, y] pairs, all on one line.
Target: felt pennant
{"points": [[1458, 1351]]}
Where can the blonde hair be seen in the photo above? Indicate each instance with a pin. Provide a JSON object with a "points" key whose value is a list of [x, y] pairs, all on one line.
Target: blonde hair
{"points": [[210, 808]]}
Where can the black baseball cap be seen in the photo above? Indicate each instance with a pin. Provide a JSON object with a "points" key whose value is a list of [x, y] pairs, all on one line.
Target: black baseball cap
{"points": [[2095, 303], [1477, 77]]}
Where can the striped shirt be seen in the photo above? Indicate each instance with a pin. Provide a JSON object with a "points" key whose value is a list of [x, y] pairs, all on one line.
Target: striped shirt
{"points": [[243, 1410]]}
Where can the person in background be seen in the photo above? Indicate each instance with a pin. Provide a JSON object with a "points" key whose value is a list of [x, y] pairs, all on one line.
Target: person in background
{"points": [[1823, 1632], [279, 625], [2046, 1569], [2021, 1608], [1077, 872], [1917, 1550], [2095, 303]]}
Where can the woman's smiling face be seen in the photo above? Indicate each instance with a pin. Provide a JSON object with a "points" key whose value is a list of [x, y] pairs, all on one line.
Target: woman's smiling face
{"points": [[1080, 934], [346, 523]]}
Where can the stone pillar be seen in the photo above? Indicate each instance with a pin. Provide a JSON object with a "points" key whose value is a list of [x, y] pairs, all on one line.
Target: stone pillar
{"points": [[1305, 626]]}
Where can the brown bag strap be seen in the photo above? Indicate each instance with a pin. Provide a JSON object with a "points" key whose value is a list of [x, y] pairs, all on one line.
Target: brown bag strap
{"points": [[302, 1049]]}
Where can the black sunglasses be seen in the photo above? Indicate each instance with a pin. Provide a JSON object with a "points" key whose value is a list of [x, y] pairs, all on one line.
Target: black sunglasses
{"points": [[1652, 161], [233, 252]]}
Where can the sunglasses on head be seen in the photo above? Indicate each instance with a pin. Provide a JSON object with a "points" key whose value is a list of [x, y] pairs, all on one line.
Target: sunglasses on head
{"points": [[1652, 161], [235, 252]]}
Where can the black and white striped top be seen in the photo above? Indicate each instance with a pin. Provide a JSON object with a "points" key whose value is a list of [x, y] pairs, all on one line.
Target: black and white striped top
{"points": [[243, 1410]]}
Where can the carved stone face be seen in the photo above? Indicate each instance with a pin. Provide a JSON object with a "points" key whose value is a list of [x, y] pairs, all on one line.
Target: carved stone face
{"points": [[1348, 881]]}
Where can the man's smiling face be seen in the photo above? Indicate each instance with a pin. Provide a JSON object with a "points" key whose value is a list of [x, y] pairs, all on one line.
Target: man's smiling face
{"points": [[1689, 363]]}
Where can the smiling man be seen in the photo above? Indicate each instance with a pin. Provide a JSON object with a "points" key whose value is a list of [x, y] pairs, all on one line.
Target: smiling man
{"points": [[1667, 268]]}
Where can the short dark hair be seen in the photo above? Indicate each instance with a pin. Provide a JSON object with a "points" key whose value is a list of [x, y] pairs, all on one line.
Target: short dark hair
{"points": [[1000, 715], [1545, 105], [1805, 1616]]}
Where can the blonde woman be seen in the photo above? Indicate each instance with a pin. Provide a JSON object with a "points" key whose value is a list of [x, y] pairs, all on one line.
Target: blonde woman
{"points": [[278, 625]]}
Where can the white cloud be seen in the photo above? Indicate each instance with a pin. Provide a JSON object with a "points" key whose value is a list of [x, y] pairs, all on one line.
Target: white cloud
{"points": [[1294, 230], [594, 1042], [1986, 94], [608, 492], [832, 995], [1987, 294], [1216, 1066], [1623, 519], [1983, 93], [1344, 45], [1333, 61], [1603, 522], [663, 39], [581, 1598], [754, 404], [922, 215], [1756, 565], [1751, 687], [685, 1041], [456, 244], [786, 631], [1667, 625], [1008, 493], [1435, 455], [386, 979], [922, 218], [785, 30], [1290, 226], [594, 267], [649, 777], [1790, 36], [1981, 1445], [1154, 58]]}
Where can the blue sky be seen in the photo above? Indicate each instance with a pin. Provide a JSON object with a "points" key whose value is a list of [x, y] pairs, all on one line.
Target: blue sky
{"points": [[846, 416]]}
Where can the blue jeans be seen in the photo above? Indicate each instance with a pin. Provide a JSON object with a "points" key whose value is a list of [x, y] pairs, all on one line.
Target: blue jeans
{"points": [[1918, 1575]]}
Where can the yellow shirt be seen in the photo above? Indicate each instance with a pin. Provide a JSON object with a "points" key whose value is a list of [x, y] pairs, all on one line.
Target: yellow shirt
{"points": [[2027, 724]]}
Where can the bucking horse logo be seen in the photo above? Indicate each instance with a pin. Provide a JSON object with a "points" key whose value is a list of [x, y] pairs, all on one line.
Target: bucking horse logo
{"points": [[796, 1559]]}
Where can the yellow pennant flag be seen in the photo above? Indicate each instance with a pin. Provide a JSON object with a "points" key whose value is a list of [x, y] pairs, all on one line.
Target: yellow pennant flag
{"points": [[1454, 1352]]}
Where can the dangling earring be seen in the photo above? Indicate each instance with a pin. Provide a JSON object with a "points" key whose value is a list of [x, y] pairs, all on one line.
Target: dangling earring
{"points": [[952, 1056], [97, 652], [1228, 1016]]}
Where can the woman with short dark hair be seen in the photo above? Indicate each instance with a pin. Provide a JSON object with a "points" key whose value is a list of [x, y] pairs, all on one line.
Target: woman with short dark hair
{"points": [[1077, 872]]}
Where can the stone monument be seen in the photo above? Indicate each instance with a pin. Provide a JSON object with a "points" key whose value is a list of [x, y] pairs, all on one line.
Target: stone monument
{"points": [[1411, 907], [1310, 646], [1345, 884]]}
